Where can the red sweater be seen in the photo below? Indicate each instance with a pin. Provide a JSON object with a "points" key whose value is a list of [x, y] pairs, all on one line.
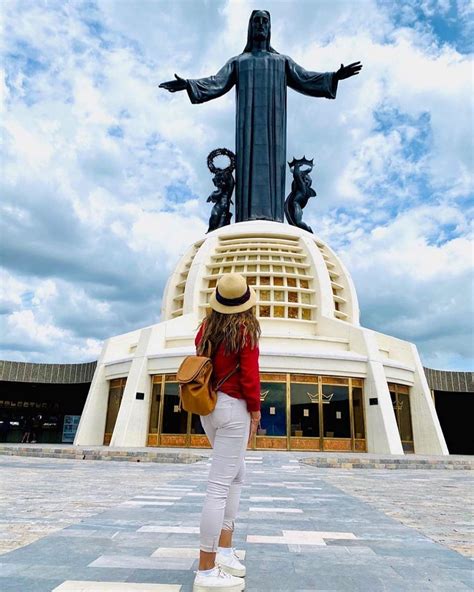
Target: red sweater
{"points": [[245, 383]]}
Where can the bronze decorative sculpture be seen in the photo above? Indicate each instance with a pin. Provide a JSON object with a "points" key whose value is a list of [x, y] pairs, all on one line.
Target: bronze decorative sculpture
{"points": [[261, 76], [301, 191], [222, 196]]}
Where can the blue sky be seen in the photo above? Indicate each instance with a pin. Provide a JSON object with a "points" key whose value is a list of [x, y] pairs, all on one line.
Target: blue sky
{"points": [[98, 162]]}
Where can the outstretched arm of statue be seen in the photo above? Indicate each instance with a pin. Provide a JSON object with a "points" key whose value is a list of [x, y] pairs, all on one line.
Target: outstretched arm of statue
{"points": [[174, 85], [201, 90], [313, 84], [348, 71]]}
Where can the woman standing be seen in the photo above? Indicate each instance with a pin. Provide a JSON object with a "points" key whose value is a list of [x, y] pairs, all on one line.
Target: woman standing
{"points": [[231, 331]]}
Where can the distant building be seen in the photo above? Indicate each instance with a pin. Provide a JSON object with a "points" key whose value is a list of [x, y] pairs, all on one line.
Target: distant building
{"points": [[41, 397]]}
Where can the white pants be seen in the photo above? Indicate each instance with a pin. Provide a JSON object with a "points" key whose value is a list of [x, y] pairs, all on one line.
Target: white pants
{"points": [[227, 428]]}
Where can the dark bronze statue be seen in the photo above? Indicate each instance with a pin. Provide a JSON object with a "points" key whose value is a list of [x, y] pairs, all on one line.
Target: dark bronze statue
{"points": [[301, 191], [222, 196], [261, 76]]}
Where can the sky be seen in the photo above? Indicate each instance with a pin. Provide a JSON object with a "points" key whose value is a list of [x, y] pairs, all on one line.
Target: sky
{"points": [[104, 178]]}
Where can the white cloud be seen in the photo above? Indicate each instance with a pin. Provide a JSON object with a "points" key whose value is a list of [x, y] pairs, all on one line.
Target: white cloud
{"points": [[11, 290], [402, 248], [414, 289], [24, 325]]}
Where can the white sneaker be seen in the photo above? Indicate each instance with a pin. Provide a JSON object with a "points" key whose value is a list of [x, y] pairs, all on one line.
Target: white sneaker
{"points": [[230, 563], [218, 581]]}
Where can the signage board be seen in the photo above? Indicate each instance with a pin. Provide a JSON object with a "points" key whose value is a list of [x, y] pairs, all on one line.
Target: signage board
{"points": [[70, 427]]}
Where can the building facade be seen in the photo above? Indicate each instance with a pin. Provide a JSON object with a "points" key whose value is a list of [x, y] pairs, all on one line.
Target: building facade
{"points": [[327, 382], [58, 391]]}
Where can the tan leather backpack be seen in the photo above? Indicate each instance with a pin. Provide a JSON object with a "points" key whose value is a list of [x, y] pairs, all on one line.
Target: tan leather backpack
{"points": [[196, 391]]}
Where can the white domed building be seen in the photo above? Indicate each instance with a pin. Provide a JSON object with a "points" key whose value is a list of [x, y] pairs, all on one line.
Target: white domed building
{"points": [[328, 384]]}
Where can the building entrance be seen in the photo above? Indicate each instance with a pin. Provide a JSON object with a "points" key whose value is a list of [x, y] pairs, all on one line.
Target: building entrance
{"points": [[116, 388], [299, 412], [37, 412], [170, 425], [322, 413], [399, 394], [455, 411]]}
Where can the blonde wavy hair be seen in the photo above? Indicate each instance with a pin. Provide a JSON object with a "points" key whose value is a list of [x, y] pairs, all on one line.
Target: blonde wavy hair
{"points": [[232, 329]]}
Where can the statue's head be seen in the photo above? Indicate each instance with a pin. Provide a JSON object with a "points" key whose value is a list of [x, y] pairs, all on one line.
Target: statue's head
{"points": [[259, 29], [260, 23]]}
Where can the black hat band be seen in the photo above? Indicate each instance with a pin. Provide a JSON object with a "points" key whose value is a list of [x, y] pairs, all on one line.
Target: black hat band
{"points": [[233, 301]]}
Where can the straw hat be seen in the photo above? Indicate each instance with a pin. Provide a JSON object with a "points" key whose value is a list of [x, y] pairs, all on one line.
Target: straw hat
{"points": [[232, 294]]}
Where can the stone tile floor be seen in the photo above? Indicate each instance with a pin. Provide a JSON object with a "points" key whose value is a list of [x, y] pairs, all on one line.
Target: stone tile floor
{"points": [[437, 503], [69, 525]]}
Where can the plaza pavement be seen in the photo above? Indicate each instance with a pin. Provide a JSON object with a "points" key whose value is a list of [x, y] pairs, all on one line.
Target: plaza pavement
{"points": [[135, 526]]}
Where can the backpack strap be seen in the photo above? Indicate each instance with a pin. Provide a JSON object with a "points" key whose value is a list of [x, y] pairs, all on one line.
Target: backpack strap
{"points": [[231, 373], [221, 382]]}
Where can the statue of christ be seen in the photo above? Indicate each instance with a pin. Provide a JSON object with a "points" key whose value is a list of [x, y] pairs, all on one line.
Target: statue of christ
{"points": [[261, 76]]}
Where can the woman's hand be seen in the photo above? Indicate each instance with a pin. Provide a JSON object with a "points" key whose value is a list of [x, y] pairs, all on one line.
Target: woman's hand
{"points": [[255, 417]]}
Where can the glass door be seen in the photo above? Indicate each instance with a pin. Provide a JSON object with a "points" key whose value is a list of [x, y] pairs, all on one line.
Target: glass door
{"points": [[399, 394], [273, 431], [174, 421], [326, 413], [335, 406], [358, 414], [304, 413], [155, 410], [169, 425], [116, 388], [299, 412], [197, 435]]}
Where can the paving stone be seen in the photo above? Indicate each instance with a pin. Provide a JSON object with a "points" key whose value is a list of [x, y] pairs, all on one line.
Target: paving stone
{"points": [[8, 569], [108, 530], [22, 584], [137, 562], [88, 586]]}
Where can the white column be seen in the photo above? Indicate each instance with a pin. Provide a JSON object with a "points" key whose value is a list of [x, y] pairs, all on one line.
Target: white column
{"points": [[382, 435], [91, 429], [131, 427], [428, 437]]}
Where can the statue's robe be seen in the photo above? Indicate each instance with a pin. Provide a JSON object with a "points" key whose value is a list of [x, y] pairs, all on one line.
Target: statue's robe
{"points": [[261, 79]]}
